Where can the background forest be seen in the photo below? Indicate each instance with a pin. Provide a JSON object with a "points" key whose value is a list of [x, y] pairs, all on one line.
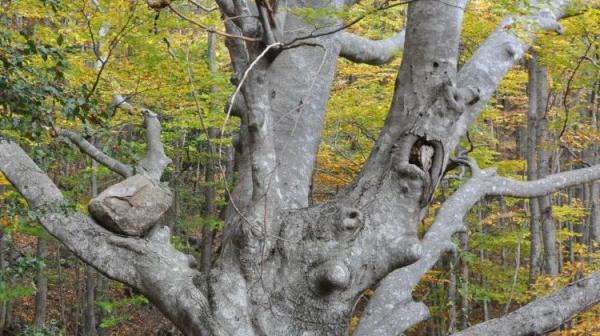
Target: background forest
{"points": [[90, 66]]}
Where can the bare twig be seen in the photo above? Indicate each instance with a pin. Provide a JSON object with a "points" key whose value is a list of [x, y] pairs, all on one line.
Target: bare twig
{"points": [[210, 29], [568, 90], [89, 149], [111, 47]]}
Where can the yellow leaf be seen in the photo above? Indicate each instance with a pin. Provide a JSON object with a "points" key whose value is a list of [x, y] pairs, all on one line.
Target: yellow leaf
{"points": [[3, 180]]}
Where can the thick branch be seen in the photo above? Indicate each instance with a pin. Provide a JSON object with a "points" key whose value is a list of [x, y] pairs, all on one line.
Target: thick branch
{"points": [[545, 314], [363, 50], [86, 147], [395, 290], [501, 51], [150, 265], [156, 160]]}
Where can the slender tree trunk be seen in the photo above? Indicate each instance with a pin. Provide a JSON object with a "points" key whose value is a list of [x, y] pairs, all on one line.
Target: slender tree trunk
{"points": [[515, 274], [209, 205], [452, 289], [544, 140], [584, 225], [571, 243], [595, 189], [3, 260], [595, 213], [549, 237], [41, 296], [89, 322], [210, 193], [89, 325], [534, 208], [61, 290], [465, 307]]}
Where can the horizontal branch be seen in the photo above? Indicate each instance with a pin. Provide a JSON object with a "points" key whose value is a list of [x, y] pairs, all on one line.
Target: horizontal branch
{"points": [[151, 265], [395, 290], [89, 149], [545, 314], [363, 50]]}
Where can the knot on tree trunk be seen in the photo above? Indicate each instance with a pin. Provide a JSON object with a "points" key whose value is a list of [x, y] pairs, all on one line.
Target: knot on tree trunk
{"points": [[132, 206], [330, 276], [459, 98]]}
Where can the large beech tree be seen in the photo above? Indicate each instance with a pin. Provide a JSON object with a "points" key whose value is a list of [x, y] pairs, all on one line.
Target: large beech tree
{"points": [[287, 268]]}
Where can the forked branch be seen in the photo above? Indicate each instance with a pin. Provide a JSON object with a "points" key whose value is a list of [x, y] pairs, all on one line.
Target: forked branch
{"points": [[384, 310], [153, 163]]}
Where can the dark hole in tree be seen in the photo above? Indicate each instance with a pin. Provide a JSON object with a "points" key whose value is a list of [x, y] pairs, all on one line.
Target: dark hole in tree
{"points": [[353, 214], [415, 153], [436, 64], [324, 287]]}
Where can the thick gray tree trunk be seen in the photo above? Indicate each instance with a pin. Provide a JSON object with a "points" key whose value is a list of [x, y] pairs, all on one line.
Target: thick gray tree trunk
{"points": [[290, 269]]}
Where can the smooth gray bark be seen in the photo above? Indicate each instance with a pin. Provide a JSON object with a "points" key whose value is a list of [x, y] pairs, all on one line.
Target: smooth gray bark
{"points": [[534, 205], [480, 75], [545, 314], [362, 50], [544, 145], [289, 269]]}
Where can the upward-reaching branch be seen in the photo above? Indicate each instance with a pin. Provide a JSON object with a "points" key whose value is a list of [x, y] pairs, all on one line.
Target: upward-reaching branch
{"points": [[502, 50], [155, 161]]}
